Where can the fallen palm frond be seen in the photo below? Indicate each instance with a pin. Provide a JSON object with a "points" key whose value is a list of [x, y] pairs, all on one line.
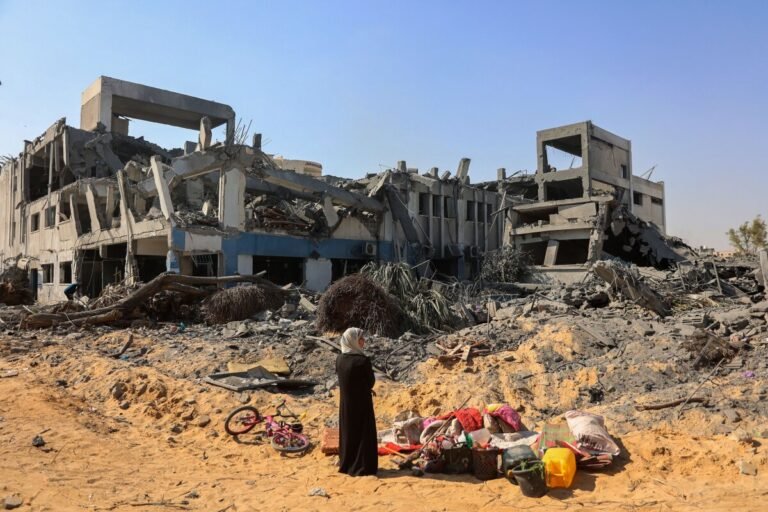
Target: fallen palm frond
{"points": [[239, 303], [357, 301], [426, 307]]}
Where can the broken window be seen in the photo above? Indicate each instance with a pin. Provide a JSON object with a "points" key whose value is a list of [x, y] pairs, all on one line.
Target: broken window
{"points": [[637, 198], [341, 268], [564, 153], [423, 203], [572, 252], [535, 251], [280, 270], [47, 273], [38, 181], [449, 207], [657, 200], [563, 189], [65, 211], [50, 216], [65, 272], [205, 265], [471, 210], [84, 216], [624, 172], [34, 222], [437, 206]]}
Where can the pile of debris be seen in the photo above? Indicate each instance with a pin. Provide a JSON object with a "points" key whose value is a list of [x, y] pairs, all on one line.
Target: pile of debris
{"points": [[14, 287]]}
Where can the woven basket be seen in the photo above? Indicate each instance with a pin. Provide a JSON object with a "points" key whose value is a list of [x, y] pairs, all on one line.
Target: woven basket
{"points": [[457, 459], [485, 463]]}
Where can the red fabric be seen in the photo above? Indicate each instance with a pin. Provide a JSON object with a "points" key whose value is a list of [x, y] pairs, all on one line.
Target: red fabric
{"points": [[390, 448], [470, 419]]}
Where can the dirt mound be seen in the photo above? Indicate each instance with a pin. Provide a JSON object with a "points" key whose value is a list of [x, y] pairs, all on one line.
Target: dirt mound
{"points": [[239, 303], [357, 301]]}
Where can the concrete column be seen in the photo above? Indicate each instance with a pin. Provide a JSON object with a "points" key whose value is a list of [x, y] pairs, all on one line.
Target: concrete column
{"points": [[163, 193], [550, 257], [317, 274], [232, 199], [172, 262], [90, 196]]}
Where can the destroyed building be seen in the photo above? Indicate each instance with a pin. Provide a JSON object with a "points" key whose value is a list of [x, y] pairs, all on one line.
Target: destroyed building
{"points": [[95, 205], [566, 218]]}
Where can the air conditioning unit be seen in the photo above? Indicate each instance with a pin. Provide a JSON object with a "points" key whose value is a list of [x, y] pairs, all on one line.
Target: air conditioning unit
{"points": [[369, 249], [474, 251]]}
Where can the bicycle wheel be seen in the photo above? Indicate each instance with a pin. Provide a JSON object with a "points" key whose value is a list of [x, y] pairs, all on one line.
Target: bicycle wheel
{"points": [[288, 442], [242, 420]]}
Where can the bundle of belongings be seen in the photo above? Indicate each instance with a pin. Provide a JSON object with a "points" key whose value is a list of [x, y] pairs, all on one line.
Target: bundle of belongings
{"points": [[445, 443], [585, 435]]}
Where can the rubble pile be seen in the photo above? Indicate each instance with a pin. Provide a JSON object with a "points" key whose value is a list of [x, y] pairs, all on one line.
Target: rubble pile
{"points": [[14, 287]]}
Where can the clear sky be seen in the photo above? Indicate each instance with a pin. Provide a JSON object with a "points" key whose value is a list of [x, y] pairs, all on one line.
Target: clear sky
{"points": [[358, 85]]}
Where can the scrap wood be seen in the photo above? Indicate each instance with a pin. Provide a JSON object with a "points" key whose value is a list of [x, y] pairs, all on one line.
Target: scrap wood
{"points": [[125, 347], [673, 403], [123, 307], [690, 397]]}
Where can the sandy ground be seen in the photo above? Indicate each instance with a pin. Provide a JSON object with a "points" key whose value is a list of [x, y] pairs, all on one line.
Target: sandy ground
{"points": [[154, 455]]}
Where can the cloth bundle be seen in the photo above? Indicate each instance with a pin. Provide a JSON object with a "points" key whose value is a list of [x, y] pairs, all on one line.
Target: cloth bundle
{"points": [[590, 432]]}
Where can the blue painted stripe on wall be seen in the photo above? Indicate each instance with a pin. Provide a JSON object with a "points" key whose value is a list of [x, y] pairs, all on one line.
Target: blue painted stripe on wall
{"points": [[258, 244]]}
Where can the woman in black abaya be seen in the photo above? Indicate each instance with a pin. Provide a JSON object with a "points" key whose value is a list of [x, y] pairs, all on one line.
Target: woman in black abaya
{"points": [[358, 446]]}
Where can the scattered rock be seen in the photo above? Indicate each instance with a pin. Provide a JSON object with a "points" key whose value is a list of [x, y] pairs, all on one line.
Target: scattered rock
{"points": [[118, 390], [13, 501], [203, 420], [319, 492], [244, 397], [746, 468], [192, 495], [125, 404], [732, 415], [38, 441]]}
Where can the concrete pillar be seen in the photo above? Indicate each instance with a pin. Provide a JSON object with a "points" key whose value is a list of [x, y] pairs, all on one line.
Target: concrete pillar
{"points": [[550, 257], [317, 274], [462, 173], [244, 264], [172, 262], [501, 174], [163, 193], [232, 199], [90, 196]]}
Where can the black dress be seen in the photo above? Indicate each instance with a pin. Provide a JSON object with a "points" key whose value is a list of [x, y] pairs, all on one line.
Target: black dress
{"points": [[358, 447]]}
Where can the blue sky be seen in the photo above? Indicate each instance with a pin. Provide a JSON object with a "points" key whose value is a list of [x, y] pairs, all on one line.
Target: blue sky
{"points": [[360, 85]]}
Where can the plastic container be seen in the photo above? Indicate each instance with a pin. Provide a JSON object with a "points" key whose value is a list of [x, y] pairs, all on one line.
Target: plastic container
{"points": [[514, 456], [485, 463], [560, 466], [530, 477], [480, 437]]}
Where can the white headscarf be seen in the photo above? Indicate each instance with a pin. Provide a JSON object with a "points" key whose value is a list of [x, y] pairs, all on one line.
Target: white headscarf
{"points": [[349, 341]]}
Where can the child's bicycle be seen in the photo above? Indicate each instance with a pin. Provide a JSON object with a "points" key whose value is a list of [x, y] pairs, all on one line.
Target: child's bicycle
{"points": [[285, 437]]}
